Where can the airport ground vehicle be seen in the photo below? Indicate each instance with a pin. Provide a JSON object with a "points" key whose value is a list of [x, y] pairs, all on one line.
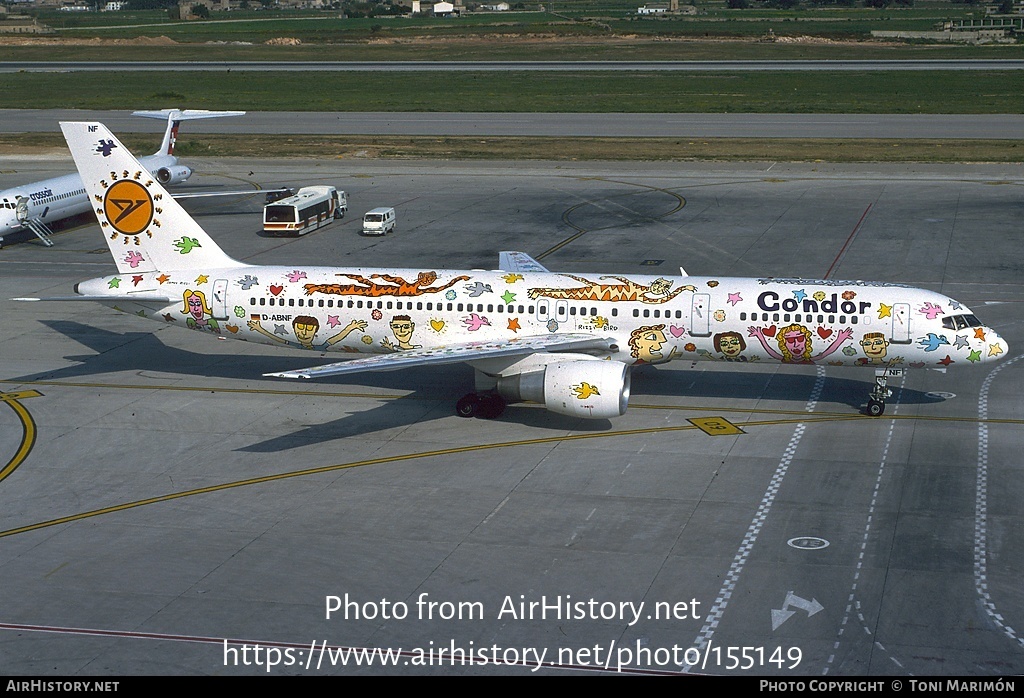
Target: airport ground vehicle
{"points": [[379, 221], [309, 209]]}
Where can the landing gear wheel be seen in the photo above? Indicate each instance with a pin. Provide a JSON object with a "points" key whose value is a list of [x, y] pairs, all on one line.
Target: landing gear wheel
{"points": [[875, 408], [467, 405], [491, 406]]}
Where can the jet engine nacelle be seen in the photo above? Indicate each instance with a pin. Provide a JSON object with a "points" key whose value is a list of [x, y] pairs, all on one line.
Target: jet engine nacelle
{"points": [[590, 389], [173, 175]]}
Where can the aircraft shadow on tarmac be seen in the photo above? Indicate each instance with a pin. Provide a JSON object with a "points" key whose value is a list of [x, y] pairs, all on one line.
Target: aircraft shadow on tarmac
{"points": [[430, 394]]}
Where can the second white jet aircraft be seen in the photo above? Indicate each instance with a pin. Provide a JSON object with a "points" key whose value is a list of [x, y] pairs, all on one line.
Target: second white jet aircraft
{"points": [[36, 204]]}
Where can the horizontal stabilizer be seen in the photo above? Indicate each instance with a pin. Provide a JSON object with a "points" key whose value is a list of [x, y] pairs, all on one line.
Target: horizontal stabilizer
{"points": [[457, 353], [186, 114], [518, 261]]}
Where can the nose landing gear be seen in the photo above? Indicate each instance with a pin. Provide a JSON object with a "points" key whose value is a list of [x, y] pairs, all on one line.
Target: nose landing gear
{"points": [[879, 394]]}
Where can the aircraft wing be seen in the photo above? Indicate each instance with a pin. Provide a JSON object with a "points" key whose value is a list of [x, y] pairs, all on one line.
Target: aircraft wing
{"points": [[202, 194], [457, 353], [123, 298], [518, 261]]}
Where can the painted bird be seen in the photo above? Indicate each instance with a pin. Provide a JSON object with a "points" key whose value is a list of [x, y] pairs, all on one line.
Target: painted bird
{"points": [[585, 390], [474, 322]]}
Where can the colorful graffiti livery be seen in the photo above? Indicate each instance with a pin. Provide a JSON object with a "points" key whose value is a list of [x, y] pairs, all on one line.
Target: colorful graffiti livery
{"points": [[565, 341]]}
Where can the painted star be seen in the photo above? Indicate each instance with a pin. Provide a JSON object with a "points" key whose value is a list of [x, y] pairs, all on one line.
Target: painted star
{"points": [[162, 278], [333, 320], [508, 297], [961, 342], [169, 318], [800, 295], [280, 329], [884, 310], [954, 304], [995, 349], [734, 298], [979, 333], [114, 283], [202, 279], [975, 355], [946, 361], [513, 324], [136, 279]]}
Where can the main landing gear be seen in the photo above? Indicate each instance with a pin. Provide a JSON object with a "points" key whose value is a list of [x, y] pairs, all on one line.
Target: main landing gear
{"points": [[878, 394], [483, 405]]}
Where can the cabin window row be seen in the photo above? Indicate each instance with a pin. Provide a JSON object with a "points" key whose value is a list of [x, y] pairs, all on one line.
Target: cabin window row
{"points": [[800, 317], [647, 312], [421, 305]]}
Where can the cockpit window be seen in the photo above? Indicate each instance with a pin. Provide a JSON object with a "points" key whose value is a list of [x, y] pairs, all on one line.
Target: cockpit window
{"points": [[959, 322]]}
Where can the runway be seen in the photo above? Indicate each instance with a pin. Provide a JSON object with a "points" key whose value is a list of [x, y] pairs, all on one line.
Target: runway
{"points": [[167, 509], [622, 125]]}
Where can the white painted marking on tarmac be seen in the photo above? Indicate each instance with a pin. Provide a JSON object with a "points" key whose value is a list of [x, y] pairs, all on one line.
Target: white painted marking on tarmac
{"points": [[853, 605], [717, 610], [981, 510]]}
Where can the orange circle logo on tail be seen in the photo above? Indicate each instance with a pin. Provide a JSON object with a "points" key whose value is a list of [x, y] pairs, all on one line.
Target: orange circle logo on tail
{"points": [[128, 206]]}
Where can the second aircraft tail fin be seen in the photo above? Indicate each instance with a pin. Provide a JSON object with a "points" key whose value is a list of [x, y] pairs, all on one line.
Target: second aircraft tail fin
{"points": [[174, 118], [145, 228]]}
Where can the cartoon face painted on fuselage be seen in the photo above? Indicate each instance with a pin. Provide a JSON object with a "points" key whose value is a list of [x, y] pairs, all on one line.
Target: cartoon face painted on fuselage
{"points": [[874, 345], [305, 328], [645, 343], [195, 307], [730, 343]]}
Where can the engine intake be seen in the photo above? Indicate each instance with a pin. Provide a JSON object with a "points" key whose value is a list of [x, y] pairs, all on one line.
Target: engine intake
{"points": [[173, 175], [587, 389]]}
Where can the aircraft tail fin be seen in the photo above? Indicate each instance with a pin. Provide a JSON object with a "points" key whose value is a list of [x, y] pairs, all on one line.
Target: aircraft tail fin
{"points": [[145, 228], [174, 118]]}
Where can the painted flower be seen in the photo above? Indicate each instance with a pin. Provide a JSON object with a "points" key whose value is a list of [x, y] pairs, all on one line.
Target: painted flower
{"points": [[376, 315], [552, 325], [450, 295], [367, 339], [849, 351], [712, 284], [690, 346], [719, 315], [819, 296], [849, 295]]}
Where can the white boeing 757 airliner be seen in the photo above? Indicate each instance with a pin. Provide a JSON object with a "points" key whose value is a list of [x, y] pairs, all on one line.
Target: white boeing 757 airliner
{"points": [[36, 204], [567, 341]]}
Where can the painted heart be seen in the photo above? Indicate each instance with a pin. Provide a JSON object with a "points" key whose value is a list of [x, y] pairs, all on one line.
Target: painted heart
{"points": [[437, 325], [824, 332], [770, 331], [677, 331], [232, 328], [275, 289]]}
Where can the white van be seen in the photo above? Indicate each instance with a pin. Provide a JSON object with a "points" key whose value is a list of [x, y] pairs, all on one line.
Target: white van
{"points": [[379, 221]]}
